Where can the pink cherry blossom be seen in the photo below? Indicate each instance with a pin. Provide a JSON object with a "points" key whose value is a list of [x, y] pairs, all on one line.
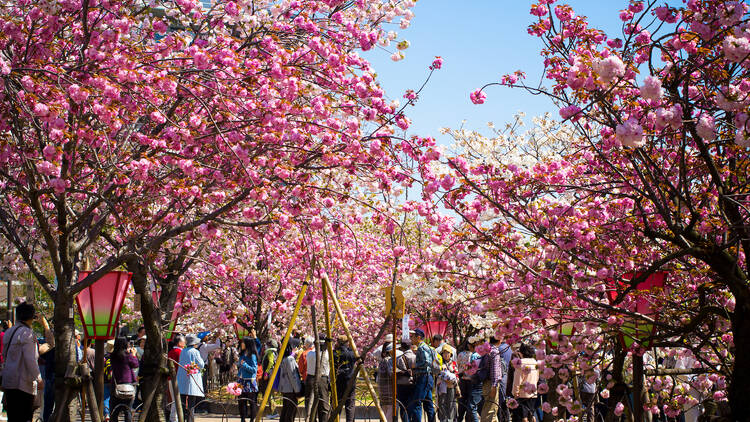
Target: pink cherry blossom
{"points": [[706, 128], [609, 69], [570, 111], [477, 97], [437, 63], [630, 133], [651, 88]]}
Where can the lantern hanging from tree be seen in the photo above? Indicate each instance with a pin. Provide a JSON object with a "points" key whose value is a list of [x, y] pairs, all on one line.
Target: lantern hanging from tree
{"points": [[435, 327], [564, 329], [175, 315], [99, 304], [633, 330], [240, 330]]}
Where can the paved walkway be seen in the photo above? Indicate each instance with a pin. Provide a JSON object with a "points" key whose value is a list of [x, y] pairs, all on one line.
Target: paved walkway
{"points": [[234, 418]]}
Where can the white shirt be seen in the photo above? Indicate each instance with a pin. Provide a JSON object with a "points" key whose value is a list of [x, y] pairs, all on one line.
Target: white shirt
{"points": [[21, 370], [325, 367], [207, 348]]}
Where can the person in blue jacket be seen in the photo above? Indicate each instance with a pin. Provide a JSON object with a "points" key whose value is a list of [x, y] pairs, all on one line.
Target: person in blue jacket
{"points": [[248, 378], [190, 385]]}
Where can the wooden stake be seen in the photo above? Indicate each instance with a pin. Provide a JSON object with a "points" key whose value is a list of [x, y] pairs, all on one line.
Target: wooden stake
{"points": [[340, 315], [332, 376], [284, 343]]}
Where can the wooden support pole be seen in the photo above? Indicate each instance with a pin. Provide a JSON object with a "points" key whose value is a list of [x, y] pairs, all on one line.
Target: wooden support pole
{"points": [[393, 344], [87, 389], [341, 318], [313, 408], [329, 344], [176, 398], [284, 343], [99, 373]]}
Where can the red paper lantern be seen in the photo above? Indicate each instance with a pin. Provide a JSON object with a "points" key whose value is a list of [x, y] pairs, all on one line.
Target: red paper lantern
{"points": [[240, 330], [435, 327], [563, 329], [633, 330], [99, 305], [169, 332]]}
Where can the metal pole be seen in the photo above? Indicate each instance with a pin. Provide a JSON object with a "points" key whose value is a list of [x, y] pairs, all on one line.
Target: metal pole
{"points": [[284, 343], [340, 315]]}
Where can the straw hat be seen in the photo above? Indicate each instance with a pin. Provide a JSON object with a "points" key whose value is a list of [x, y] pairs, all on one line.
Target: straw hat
{"points": [[448, 348], [109, 346]]}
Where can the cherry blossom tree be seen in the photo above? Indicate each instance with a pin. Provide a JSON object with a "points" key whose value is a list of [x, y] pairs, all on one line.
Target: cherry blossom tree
{"points": [[531, 245], [126, 126], [651, 178]]}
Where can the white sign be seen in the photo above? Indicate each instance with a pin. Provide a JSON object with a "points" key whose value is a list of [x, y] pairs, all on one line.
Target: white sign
{"points": [[405, 328]]}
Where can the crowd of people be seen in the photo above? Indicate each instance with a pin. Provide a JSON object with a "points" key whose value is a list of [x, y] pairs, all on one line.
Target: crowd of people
{"points": [[432, 379], [482, 381]]}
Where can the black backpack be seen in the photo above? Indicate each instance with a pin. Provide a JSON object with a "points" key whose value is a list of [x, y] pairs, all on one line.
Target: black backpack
{"points": [[483, 372]]}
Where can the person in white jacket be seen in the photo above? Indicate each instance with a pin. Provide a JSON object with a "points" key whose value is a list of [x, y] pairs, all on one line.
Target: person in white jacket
{"points": [[21, 376]]}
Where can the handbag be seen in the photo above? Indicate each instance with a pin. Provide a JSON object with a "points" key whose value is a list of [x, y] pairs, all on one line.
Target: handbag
{"points": [[123, 391]]}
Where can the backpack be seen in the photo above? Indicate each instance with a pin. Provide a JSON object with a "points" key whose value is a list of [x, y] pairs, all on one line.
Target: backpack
{"points": [[509, 385], [107, 369], [385, 368], [483, 372], [404, 377], [268, 360]]}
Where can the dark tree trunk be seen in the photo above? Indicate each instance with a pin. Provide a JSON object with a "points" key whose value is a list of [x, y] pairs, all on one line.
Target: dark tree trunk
{"points": [[153, 364], [739, 386], [65, 352]]}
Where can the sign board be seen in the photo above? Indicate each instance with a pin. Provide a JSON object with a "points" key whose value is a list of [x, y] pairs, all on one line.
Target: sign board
{"points": [[405, 328], [400, 306]]}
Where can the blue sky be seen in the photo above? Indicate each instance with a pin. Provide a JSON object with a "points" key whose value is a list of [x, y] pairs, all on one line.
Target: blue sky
{"points": [[479, 40]]}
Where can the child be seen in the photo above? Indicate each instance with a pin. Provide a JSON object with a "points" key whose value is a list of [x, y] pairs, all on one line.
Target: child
{"points": [[446, 385]]}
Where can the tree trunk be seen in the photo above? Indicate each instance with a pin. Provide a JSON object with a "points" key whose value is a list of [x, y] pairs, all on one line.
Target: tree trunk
{"points": [[739, 386], [65, 351], [153, 364]]}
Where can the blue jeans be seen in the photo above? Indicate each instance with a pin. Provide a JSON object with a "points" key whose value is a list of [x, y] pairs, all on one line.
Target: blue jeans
{"points": [[422, 399], [468, 404], [49, 397], [105, 399]]}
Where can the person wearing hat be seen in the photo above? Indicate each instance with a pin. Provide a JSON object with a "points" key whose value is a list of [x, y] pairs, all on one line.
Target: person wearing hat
{"points": [[447, 384], [21, 374], [109, 347], [423, 380], [190, 385], [343, 361]]}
